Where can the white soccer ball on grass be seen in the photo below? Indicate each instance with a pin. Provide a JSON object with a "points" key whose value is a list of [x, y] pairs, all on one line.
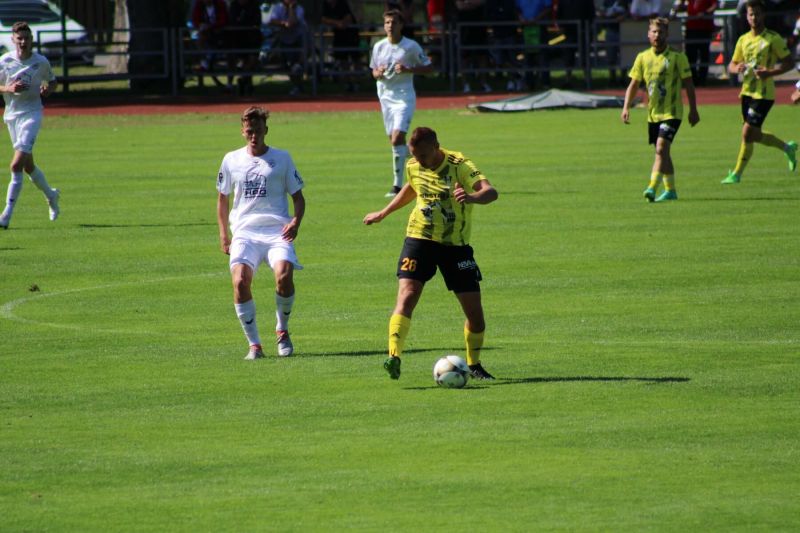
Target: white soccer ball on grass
{"points": [[451, 371]]}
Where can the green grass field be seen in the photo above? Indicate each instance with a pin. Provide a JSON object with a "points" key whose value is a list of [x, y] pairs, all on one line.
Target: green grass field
{"points": [[647, 355]]}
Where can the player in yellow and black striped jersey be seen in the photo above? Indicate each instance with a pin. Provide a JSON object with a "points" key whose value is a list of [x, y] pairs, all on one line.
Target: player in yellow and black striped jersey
{"points": [[445, 185], [665, 72], [759, 56]]}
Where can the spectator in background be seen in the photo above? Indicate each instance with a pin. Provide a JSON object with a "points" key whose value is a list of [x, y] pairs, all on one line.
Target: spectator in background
{"points": [[572, 10], [699, 32], [504, 39], [288, 18], [473, 11], [436, 16], [534, 15], [209, 18], [406, 9], [245, 33], [612, 12], [646, 9], [338, 15]]}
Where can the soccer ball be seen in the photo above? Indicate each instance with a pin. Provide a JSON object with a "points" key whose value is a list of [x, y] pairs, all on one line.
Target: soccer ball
{"points": [[451, 371]]}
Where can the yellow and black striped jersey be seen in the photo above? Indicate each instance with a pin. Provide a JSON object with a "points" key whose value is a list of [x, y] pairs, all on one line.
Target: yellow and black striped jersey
{"points": [[762, 50], [663, 74], [437, 216]]}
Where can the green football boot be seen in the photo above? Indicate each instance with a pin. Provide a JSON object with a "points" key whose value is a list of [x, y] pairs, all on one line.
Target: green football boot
{"points": [[392, 366], [791, 154], [732, 177], [650, 194], [667, 195]]}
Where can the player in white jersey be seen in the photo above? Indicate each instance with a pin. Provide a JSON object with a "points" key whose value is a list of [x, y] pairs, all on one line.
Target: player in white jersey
{"points": [[258, 227], [25, 78], [394, 62]]}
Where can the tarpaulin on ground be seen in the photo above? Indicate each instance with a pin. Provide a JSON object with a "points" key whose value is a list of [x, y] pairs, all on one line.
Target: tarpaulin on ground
{"points": [[552, 99]]}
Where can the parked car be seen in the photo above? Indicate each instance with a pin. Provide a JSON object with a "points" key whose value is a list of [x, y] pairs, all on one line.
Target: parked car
{"points": [[44, 18]]}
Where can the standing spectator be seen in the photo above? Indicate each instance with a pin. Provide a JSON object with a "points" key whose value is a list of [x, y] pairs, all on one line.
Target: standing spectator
{"points": [[394, 62], [534, 15], [209, 18], [245, 20], [664, 72], [759, 56], [25, 78], [612, 12], [437, 19], [699, 32], [473, 11], [288, 17], [406, 9], [338, 15], [572, 10], [258, 228], [505, 40], [445, 184]]}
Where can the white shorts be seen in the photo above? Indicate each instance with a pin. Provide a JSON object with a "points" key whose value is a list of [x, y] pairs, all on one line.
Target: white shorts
{"points": [[270, 249], [397, 112], [23, 130]]}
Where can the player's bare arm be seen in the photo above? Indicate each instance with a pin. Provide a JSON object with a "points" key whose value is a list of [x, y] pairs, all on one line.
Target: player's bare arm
{"points": [[786, 64], [419, 69], [48, 89], [403, 198], [291, 229], [694, 115], [377, 72], [223, 207], [630, 94], [484, 193], [15, 87]]}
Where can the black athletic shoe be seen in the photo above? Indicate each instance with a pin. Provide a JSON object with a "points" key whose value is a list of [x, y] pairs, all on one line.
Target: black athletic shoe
{"points": [[478, 372]]}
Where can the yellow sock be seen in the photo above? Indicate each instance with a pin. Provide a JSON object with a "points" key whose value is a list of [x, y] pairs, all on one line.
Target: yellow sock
{"points": [[769, 139], [655, 177], [669, 182], [474, 342], [745, 153], [398, 330]]}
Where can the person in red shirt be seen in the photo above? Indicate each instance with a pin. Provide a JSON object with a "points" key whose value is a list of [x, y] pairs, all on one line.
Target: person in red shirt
{"points": [[699, 33]]}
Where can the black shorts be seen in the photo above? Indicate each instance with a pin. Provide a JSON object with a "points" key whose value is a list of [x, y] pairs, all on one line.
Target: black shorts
{"points": [[666, 129], [754, 111], [420, 258]]}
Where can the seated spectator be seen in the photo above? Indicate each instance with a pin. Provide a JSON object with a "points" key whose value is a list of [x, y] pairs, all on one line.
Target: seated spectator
{"points": [[209, 18], [534, 15], [346, 39], [288, 18], [646, 9], [245, 34], [575, 45], [504, 38]]}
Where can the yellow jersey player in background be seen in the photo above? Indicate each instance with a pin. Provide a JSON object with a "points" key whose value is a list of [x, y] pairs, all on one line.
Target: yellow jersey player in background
{"points": [[664, 71], [445, 184], [760, 55]]}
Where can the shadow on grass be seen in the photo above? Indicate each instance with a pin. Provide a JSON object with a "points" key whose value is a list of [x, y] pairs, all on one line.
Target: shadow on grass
{"points": [[104, 226], [521, 381], [382, 351], [743, 199]]}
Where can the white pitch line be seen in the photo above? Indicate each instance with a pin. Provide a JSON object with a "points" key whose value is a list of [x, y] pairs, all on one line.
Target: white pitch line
{"points": [[7, 309]]}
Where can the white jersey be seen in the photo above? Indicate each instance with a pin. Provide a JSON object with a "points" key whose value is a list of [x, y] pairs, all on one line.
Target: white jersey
{"points": [[407, 52], [33, 71], [260, 186]]}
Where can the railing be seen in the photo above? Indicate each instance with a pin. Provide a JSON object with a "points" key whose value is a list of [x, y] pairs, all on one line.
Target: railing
{"points": [[173, 55]]}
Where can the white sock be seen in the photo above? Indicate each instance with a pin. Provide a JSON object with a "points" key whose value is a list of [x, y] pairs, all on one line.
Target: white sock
{"points": [[247, 316], [399, 156], [283, 308], [38, 179], [14, 188]]}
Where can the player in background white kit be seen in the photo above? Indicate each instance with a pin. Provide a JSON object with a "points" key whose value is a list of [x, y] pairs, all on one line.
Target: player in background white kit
{"points": [[394, 62], [25, 78], [260, 178]]}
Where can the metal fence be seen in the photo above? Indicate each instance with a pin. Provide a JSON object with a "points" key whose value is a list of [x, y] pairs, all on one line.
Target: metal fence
{"points": [[174, 56]]}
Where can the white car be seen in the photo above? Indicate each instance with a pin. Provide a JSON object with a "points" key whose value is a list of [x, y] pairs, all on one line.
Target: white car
{"points": [[44, 19]]}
